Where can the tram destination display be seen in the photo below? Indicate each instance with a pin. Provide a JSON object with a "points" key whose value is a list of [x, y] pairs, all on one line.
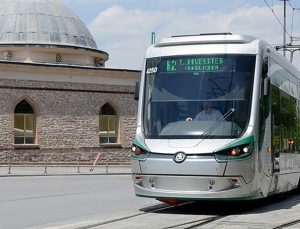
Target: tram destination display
{"points": [[197, 63]]}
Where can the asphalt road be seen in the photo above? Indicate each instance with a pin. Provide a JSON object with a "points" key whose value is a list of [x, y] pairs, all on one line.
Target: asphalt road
{"points": [[108, 202], [40, 202]]}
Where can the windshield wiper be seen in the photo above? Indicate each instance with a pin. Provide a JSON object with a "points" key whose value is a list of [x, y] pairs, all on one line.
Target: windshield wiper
{"points": [[215, 125]]}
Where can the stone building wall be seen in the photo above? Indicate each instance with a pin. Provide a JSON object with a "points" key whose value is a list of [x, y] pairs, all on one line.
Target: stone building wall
{"points": [[67, 122], [66, 156]]}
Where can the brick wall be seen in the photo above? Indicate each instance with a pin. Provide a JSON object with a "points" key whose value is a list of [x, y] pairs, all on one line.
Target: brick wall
{"points": [[66, 156], [67, 120]]}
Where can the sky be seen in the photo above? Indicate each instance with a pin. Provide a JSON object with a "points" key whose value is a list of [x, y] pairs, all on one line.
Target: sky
{"points": [[123, 28]]}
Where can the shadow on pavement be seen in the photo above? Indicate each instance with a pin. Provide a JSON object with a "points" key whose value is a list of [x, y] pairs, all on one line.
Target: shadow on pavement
{"points": [[273, 203]]}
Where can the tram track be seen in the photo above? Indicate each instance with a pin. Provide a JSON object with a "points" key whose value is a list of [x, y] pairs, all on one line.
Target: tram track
{"points": [[288, 224], [187, 225], [205, 221], [133, 216], [261, 205], [196, 223], [207, 213]]}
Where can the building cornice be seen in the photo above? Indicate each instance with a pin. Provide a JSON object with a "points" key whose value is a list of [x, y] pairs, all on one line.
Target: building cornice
{"points": [[66, 69]]}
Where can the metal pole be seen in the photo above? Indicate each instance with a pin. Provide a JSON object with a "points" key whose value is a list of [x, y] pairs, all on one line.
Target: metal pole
{"points": [[45, 171], [9, 163], [106, 167], [292, 55], [78, 164], [153, 38], [284, 28]]}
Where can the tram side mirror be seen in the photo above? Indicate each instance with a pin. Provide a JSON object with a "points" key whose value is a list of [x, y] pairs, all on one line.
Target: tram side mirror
{"points": [[267, 86], [137, 90], [265, 67]]}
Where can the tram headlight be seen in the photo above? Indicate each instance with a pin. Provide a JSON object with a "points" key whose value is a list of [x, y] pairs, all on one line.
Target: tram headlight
{"points": [[237, 152], [246, 149], [138, 152]]}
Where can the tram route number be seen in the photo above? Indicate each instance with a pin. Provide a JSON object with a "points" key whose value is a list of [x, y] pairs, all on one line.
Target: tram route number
{"points": [[151, 70]]}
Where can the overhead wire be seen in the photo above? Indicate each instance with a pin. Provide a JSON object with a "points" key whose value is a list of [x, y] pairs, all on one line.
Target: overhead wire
{"points": [[292, 26], [293, 38], [290, 4], [278, 19]]}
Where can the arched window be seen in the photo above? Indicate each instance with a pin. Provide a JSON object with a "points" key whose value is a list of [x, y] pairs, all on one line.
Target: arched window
{"points": [[24, 125], [108, 125]]}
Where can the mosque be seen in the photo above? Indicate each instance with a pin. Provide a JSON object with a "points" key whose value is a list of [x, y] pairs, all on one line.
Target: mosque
{"points": [[58, 101]]}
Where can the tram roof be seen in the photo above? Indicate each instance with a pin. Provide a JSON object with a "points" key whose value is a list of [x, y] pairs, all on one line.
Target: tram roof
{"points": [[212, 38]]}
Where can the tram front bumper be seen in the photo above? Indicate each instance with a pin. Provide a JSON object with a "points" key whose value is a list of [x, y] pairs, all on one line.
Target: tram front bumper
{"points": [[194, 187]]}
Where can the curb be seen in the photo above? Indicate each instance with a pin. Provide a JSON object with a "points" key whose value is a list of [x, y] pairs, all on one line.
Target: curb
{"points": [[64, 174]]}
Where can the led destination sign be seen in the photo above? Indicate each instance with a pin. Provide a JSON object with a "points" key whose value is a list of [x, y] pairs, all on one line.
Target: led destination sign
{"points": [[193, 64]]}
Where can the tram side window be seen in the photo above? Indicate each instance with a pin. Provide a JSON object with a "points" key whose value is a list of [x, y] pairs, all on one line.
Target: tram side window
{"points": [[276, 138], [285, 122], [293, 140]]}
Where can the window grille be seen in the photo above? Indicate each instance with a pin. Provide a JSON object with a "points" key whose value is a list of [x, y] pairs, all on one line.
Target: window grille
{"points": [[24, 124], [108, 125], [58, 58]]}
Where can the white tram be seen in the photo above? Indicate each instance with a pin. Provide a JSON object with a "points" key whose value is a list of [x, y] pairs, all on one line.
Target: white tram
{"points": [[248, 149]]}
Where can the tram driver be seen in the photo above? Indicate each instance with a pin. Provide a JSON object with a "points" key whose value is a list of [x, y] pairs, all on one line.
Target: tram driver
{"points": [[207, 113]]}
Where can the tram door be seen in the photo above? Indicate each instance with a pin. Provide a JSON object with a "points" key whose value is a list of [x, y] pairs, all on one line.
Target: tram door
{"points": [[276, 136]]}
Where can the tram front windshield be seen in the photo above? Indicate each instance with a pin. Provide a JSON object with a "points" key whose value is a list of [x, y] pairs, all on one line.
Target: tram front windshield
{"points": [[203, 96]]}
